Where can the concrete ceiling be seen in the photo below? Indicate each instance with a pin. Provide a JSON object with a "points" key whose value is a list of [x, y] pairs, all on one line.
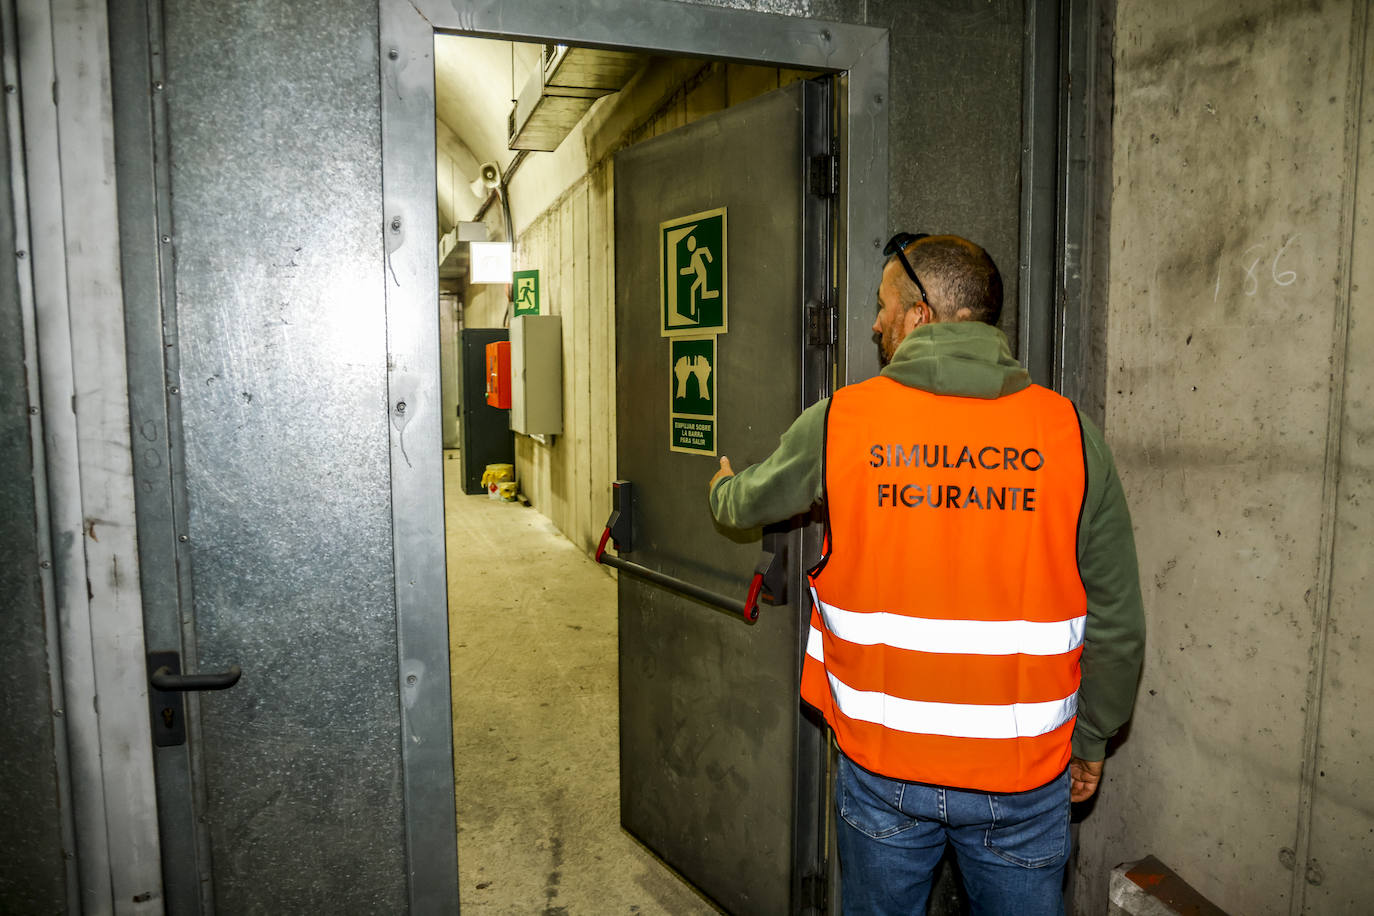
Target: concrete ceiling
{"points": [[473, 82]]}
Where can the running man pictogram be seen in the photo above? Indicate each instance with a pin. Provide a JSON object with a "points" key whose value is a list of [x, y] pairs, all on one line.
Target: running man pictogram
{"points": [[701, 256], [693, 282]]}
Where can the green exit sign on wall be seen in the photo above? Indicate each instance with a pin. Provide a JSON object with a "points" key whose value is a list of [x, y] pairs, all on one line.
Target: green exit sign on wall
{"points": [[526, 292]]}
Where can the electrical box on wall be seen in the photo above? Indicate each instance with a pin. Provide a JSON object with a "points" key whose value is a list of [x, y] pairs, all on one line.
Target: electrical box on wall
{"points": [[536, 370], [498, 374]]}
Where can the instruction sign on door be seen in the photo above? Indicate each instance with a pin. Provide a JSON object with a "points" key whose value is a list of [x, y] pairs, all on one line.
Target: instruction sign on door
{"points": [[692, 274], [693, 390]]}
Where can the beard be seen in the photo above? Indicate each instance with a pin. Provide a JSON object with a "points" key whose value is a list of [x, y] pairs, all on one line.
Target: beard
{"points": [[887, 345]]}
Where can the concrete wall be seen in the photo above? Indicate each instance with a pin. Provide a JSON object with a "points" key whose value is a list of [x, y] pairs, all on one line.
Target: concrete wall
{"points": [[1238, 405], [569, 480]]}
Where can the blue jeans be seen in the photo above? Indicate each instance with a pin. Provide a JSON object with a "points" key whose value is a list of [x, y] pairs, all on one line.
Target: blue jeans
{"points": [[1011, 849]]}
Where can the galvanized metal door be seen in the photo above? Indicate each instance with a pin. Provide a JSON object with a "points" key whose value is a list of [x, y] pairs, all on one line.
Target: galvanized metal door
{"points": [[720, 772], [287, 462]]}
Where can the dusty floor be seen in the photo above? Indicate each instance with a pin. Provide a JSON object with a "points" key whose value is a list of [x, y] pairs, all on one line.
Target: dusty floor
{"points": [[533, 630]]}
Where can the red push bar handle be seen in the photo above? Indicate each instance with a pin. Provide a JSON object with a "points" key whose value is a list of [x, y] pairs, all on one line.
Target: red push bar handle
{"points": [[748, 609], [601, 548], [751, 601]]}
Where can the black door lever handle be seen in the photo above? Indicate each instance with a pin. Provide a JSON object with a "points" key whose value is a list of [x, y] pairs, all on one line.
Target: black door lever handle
{"points": [[164, 679]]}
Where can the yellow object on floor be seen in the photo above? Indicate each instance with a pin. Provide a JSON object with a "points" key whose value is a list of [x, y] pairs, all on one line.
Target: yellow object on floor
{"points": [[494, 476]]}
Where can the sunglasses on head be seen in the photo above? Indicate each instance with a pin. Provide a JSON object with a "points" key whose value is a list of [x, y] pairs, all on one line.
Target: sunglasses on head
{"points": [[896, 244]]}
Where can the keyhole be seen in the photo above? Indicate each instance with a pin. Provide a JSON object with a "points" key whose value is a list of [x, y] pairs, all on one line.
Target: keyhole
{"points": [[167, 715]]}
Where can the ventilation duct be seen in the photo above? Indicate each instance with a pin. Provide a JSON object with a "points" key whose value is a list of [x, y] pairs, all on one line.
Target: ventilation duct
{"points": [[556, 97]]}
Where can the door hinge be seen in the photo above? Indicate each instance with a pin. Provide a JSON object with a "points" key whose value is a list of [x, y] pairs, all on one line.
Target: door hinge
{"points": [[823, 175], [821, 325], [815, 893]]}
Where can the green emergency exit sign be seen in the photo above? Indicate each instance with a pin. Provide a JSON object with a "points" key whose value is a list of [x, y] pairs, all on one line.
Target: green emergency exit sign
{"points": [[525, 291], [692, 274]]}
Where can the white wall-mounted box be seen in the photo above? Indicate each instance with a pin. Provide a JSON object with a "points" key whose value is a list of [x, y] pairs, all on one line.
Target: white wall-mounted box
{"points": [[536, 375]]}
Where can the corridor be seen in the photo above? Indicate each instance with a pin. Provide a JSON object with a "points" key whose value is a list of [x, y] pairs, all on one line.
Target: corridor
{"points": [[533, 636]]}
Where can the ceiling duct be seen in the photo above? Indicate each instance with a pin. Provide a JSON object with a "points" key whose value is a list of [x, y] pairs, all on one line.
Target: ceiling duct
{"points": [[557, 96]]}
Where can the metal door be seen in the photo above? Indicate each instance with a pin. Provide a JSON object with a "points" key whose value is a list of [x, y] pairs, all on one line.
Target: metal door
{"points": [[288, 475], [486, 435], [720, 772]]}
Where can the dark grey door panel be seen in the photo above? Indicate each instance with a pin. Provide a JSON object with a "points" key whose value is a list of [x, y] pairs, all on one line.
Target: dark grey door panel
{"points": [[720, 773]]}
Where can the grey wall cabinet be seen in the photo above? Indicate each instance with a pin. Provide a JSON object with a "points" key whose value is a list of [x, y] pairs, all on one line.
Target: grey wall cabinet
{"points": [[536, 374]]}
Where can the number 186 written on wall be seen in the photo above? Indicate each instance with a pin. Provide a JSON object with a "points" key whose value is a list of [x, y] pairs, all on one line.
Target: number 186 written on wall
{"points": [[1252, 275]]}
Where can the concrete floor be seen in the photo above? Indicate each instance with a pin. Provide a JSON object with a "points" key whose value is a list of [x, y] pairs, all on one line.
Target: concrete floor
{"points": [[533, 628]]}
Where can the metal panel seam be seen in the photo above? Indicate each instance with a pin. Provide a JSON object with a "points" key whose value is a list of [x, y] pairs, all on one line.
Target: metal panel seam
{"points": [[143, 185], [175, 438]]}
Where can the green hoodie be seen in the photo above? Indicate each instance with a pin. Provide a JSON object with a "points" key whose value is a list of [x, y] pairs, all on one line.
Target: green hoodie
{"points": [[971, 359]]}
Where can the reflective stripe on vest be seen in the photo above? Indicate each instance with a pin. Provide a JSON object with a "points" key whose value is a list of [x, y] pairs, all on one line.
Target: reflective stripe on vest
{"points": [[948, 617]]}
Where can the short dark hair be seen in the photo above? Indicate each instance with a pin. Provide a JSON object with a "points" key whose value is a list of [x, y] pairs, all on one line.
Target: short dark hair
{"points": [[957, 274]]}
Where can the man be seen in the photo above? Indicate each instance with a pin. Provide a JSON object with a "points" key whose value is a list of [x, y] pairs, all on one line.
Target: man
{"points": [[977, 630]]}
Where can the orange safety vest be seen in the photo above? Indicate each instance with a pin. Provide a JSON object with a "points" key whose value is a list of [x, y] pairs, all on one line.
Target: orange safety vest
{"points": [[948, 611]]}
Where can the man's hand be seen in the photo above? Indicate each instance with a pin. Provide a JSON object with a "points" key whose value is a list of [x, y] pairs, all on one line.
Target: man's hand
{"points": [[1084, 775], [725, 471]]}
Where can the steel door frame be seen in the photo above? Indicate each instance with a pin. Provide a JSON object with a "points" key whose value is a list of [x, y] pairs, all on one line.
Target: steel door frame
{"points": [[858, 53], [149, 283]]}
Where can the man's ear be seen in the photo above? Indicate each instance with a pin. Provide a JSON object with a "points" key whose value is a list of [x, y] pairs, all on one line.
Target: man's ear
{"points": [[913, 318]]}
